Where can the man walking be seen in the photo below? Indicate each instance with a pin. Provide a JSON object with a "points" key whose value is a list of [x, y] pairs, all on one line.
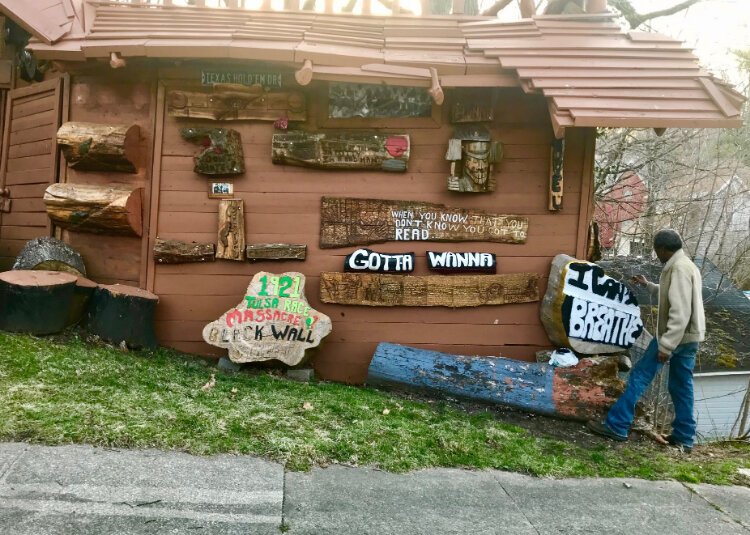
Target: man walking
{"points": [[680, 327]]}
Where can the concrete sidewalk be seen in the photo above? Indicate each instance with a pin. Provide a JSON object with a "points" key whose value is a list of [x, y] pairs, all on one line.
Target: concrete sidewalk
{"points": [[84, 490]]}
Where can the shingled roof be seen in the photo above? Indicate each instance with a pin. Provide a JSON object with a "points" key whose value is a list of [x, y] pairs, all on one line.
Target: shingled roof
{"points": [[591, 71]]}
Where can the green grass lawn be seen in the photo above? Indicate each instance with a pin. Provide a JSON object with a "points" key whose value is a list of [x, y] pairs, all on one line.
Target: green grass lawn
{"points": [[56, 391]]}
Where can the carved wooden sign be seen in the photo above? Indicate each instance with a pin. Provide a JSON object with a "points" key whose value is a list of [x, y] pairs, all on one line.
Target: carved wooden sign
{"points": [[385, 152], [462, 262], [473, 156], [366, 260], [347, 221], [587, 311], [347, 100], [231, 244], [222, 150], [273, 321], [249, 78], [237, 102], [557, 158], [371, 289]]}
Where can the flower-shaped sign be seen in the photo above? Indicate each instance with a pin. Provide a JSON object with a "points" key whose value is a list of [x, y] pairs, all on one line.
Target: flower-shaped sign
{"points": [[273, 321]]}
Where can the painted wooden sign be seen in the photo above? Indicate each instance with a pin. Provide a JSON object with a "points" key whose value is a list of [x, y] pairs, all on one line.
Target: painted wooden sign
{"points": [[264, 79], [377, 100], [366, 260], [587, 311], [222, 150], [346, 221], [236, 102], [231, 244], [273, 321], [462, 262], [371, 289], [384, 152], [557, 158], [583, 392]]}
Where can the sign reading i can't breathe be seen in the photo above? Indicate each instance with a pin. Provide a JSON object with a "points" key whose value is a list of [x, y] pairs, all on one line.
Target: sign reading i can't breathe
{"points": [[588, 311], [273, 321]]}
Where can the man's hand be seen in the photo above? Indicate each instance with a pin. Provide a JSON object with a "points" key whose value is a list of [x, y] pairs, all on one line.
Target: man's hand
{"points": [[639, 279], [663, 357]]}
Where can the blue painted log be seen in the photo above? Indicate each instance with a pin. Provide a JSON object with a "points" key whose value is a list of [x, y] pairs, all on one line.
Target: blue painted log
{"points": [[582, 392]]}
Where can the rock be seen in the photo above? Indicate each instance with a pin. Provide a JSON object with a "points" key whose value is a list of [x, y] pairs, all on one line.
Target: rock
{"points": [[228, 366], [304, 375]]}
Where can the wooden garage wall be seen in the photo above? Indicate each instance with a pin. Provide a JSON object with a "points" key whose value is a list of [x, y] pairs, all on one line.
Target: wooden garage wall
{"points": [[114, 97], [282, 204]]}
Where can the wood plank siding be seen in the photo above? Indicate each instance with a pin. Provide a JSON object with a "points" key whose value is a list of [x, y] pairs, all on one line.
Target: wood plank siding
{"points": [[282, 204]]}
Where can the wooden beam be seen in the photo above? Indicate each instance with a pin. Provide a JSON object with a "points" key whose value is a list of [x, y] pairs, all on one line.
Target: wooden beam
{"points": [[435, 91], [370, 289], [305, 74]]}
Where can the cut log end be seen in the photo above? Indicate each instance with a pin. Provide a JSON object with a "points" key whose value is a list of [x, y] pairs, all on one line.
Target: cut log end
{"points": [[37, 278]]}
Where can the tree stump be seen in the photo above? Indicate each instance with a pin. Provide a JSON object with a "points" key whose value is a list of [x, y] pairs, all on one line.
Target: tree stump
{"points": [[119, 313], [35, 302], [50, 254], [99, 147], [114, 209], [82, 293]]}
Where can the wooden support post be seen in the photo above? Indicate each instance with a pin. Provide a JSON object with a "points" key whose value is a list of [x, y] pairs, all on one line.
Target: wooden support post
{"points": [[35, 302], [435, 91], [231, 244], [275, 251], [114, 209], [116, 61], [119, 313], [305, 74], [583, 392], [178, 252], [431, 290], [99, 147]]}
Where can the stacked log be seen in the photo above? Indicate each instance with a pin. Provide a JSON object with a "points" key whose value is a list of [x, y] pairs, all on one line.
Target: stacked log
{"points": [[99, 147]]}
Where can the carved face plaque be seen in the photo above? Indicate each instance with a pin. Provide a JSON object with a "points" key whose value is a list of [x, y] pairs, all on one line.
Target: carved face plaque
{"points": [[476, 163], [273, 321]]}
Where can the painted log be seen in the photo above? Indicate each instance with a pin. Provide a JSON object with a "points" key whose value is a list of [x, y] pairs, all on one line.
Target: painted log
{"points": [[119, 313], [84, 289], [447, 262], [348, 221], [366, 260], [237, 102], [371, 289], [274, 321], [275, 251], [583, 392], [221, 153], [35, 301], [99, 147], [50, 254], [346, 151], [557, 157], [114, 209], [231, 244], [587, 311], [179, 252]]}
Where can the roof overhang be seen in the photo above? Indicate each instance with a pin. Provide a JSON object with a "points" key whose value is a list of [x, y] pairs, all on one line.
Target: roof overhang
{"points": [[592, 73]]}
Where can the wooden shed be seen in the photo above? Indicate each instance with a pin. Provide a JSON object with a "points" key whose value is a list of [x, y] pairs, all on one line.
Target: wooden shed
{"points": [[162, 67]]}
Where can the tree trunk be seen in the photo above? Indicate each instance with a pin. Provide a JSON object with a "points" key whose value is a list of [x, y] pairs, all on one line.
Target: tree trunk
{"points": [[582, 392], [83, 291], [231, 244], [50, 254], [99, 147], [114, 209], [36, 301], [119, 313], [177, 252]]}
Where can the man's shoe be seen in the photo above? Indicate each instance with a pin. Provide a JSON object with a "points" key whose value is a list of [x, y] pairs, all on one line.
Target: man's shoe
{"points": [[600, 428], [682, 447]]}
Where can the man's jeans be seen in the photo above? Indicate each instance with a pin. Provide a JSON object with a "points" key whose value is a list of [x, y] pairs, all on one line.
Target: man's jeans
{"points": [[681, 364]]}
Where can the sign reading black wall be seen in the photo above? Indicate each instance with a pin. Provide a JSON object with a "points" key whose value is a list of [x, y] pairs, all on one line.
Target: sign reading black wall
{"points": [[462, 262], [367, 260]]}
